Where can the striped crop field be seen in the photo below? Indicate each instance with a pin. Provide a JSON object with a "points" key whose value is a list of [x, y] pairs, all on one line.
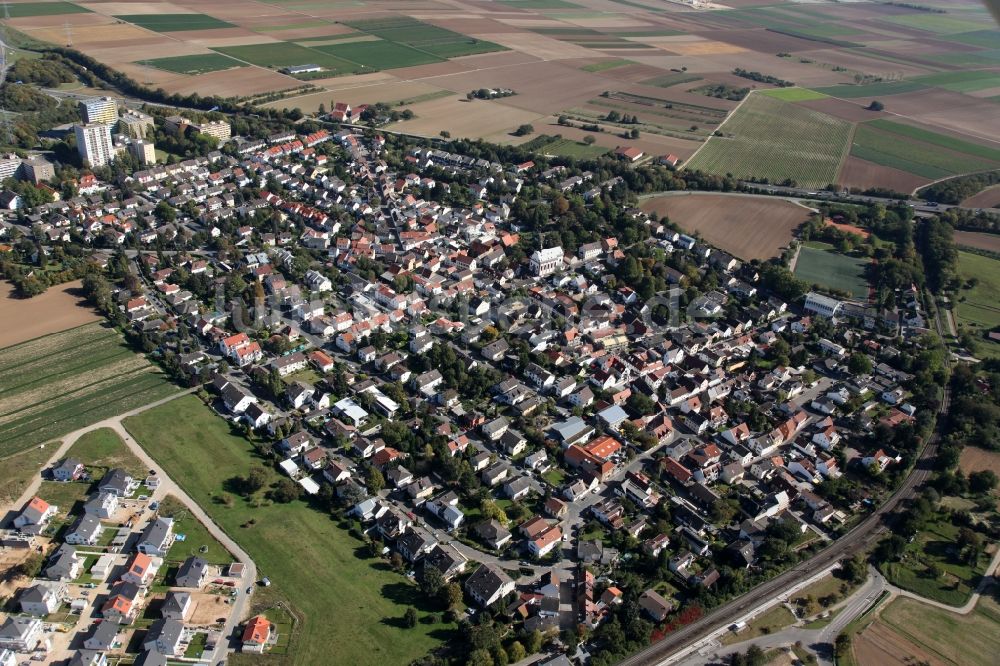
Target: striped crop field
{"points": [[769, 138]]}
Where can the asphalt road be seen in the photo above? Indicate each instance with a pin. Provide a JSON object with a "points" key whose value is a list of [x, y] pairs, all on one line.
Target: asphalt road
{"points": [[857, 540]]}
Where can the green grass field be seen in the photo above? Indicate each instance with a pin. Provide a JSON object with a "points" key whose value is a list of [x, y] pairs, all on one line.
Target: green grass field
{"points": [[380, 55], [942, 140], [605, 65], [941, 23], [918, 151], [673, 79], [962, 82], [193, 64], [769, 138], [872, 89], [570, 148], [17, 471], [818, 263], [988, 39], [197, 540], [287, 54], [175, 22], [972, 639], [104, 448], [28, 9], [61, 382], [794, 94], [346, 599], [980, 306], [424, 36], [540, 4], [936, 545]]}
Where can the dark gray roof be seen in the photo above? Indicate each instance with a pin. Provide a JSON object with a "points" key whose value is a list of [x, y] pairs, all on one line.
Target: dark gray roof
{"points": [[486, 580], [166, 632], [174, 603], [191, 572], [156, 532], [103, 636], [116, 480]]}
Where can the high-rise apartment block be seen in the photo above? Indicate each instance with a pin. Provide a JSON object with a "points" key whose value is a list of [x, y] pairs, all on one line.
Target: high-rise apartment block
{"points": [[99, 110], [134, 124], [93, 142]]}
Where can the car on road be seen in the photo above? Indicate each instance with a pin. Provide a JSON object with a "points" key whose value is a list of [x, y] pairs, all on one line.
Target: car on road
{"points": [[249, 590]]}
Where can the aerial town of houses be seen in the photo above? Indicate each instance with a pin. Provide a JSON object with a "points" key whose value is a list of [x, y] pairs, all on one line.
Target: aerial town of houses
{"points": [[378, 300]]}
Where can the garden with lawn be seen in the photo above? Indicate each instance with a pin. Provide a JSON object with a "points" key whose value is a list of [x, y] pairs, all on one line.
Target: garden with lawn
{"points": [[937, 564]]}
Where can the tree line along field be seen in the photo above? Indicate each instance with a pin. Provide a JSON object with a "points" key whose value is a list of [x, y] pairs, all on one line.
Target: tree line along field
{"points": [[346, 599], [918, 151], [61, 382], [768, 138]]}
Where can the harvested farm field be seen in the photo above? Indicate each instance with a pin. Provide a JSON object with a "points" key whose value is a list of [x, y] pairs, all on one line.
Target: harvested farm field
{"points": [[975, 459], [932, 631], [237, 82], [880, 644], [978, 240], [59, 308], [863, 174], [746, 226], [988, 198]]}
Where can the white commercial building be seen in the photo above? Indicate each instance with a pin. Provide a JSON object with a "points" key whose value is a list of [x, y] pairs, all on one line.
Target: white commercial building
{"points": [[546, 261], [822, 305]]}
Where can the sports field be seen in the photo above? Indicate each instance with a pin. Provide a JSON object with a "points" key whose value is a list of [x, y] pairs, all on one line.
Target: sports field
{"points": [[193, 64], [819, 264], [175, 22], [346, 598], [980, 305], [769, 138], [57, 383]]}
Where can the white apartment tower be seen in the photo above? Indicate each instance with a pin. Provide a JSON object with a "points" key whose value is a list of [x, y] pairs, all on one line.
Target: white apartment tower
{"points": [[93, 141], [99, 110]]}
